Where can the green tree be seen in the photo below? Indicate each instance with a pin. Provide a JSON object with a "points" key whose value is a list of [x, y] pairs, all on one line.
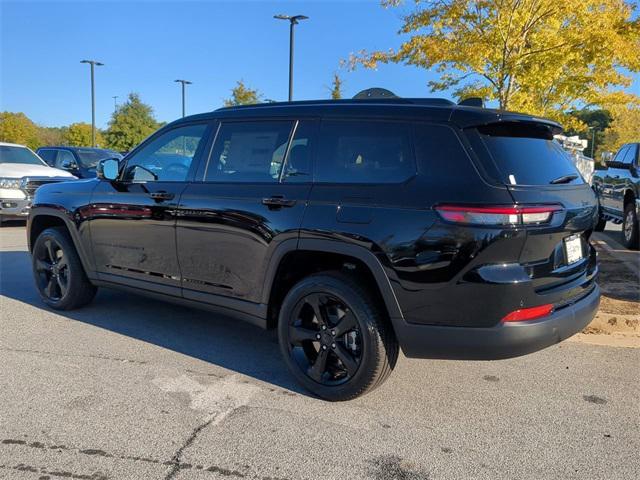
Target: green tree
{"points": [[79, 135], [543, 57], [336, 87], [599, 120], [18, 128], [48, 136], [624, 128], [242, 95], [132, 122]]}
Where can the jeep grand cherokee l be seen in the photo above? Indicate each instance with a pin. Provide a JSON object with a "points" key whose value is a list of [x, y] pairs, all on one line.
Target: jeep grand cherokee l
{"points": [[354, 227]]}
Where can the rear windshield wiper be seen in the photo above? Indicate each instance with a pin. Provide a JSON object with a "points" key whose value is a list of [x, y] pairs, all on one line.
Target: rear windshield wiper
{"points": [[564, 179]]}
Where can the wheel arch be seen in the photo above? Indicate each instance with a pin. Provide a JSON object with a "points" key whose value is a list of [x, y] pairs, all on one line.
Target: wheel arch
{"points": [[313, 255], [49, 217]]}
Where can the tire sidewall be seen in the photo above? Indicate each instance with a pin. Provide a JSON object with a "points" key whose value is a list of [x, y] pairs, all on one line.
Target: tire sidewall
{"points": [[633, 241], [75, 275], [341, 290]]}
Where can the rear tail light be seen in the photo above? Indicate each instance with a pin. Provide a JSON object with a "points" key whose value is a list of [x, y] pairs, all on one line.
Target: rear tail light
{"points": [[529, 313], [498, 214]]}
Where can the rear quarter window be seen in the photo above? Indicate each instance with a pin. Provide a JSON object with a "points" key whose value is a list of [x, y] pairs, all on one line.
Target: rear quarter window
{"points": [[367, 152], [525, 154]]}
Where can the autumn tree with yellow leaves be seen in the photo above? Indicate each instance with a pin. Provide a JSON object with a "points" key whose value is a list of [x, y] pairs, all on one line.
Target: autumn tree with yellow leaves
{"points": [[544, 57]]}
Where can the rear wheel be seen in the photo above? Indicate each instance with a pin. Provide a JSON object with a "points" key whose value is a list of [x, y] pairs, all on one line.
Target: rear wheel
{"points": [[59, 275], [630, 226], [335, 337]]}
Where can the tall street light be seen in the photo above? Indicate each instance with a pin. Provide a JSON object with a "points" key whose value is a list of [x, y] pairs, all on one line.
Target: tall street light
{"points": [[293, 21], [93, 64], [183, 82], [115, 103]]}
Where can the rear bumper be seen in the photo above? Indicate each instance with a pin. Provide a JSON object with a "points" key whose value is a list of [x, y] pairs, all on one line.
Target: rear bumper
{"points": [[502, 341]]}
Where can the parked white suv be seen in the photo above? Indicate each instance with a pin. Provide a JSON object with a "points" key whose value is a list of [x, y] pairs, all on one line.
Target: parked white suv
{"points": [[21, 173]]}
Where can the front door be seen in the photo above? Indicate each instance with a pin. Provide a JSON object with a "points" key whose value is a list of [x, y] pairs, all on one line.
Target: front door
{"points": [[132, 220], [251, 198]]}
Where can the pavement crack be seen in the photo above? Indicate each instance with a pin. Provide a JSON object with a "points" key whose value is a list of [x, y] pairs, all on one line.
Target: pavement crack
{"points": [[175, 460], [74, 355]]}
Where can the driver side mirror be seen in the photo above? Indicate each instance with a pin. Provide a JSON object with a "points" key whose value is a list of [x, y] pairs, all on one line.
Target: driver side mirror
{"points": [[69, 165], [108, 169]]}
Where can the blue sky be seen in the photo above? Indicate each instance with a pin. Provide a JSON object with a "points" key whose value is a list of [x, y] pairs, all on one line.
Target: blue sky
{"points": [[146, 45]]}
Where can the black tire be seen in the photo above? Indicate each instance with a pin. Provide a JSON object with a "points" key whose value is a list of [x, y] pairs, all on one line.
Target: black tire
{"points": [[630, 235], [357, 359], [58, 272]]}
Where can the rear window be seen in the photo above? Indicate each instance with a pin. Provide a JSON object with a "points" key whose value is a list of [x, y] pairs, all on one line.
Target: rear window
{"points": [[527, 154]]}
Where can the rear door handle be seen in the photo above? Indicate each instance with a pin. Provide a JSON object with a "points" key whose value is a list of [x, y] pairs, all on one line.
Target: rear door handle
{"points": [[278, 201], [161, 195]]}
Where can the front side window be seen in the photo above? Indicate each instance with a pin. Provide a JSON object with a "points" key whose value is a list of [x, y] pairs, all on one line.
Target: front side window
{"points": [[630, 156], [48, 155], [620, 156], [65, 159], [249, 152], [168, 157], [11, 154], [364, 152]]}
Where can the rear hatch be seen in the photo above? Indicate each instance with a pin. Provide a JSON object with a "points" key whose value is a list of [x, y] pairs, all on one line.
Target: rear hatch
{"points": [[523, 156]]}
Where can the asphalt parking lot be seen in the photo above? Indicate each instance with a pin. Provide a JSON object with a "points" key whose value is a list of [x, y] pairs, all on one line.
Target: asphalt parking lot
{"points": [[129, 388]]}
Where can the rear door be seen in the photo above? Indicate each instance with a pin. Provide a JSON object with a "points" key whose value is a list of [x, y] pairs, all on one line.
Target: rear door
{"points": [[249, 199], [537, 171]]}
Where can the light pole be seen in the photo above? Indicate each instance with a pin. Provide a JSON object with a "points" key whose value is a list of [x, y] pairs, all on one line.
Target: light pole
{"points": [[115, 103], [183, 82], [93, 64], [293, 21], [593, 140]]}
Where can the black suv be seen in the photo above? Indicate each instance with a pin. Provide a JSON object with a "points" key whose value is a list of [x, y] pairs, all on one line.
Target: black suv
{"points": [[354, 227], [618, 190]]}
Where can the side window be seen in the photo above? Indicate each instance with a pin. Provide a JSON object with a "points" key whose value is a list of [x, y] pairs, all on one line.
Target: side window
{"points": [[168, 157], [622, 153], [631, 155], [298, 166], [364, 152], [440, 154], [48, 155], [249, 152], [64, 159]]}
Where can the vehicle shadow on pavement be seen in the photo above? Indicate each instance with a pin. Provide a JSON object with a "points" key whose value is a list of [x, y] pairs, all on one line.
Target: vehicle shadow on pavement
{"points": [[213, 338]]}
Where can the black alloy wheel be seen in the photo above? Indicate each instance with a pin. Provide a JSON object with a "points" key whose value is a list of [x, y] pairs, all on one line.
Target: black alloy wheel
{"points": [[335, 336], [52, 269], [58, 272], [324, 339]]}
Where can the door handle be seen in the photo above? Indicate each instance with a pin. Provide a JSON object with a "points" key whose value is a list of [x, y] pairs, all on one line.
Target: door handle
{"points": [[161, 195], [278, 201]]}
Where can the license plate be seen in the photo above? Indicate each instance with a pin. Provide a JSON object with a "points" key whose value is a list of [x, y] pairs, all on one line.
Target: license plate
{"points": [[573, 248]]}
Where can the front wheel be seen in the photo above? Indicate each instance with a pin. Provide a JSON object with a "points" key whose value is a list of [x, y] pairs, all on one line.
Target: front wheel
{"points": [[59, 275], [630, 226], [335, 337]]}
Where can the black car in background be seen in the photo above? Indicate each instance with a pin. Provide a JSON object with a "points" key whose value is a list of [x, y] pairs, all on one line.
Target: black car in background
{"points": [[354, 227], [80, 161], [618, 191]]}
